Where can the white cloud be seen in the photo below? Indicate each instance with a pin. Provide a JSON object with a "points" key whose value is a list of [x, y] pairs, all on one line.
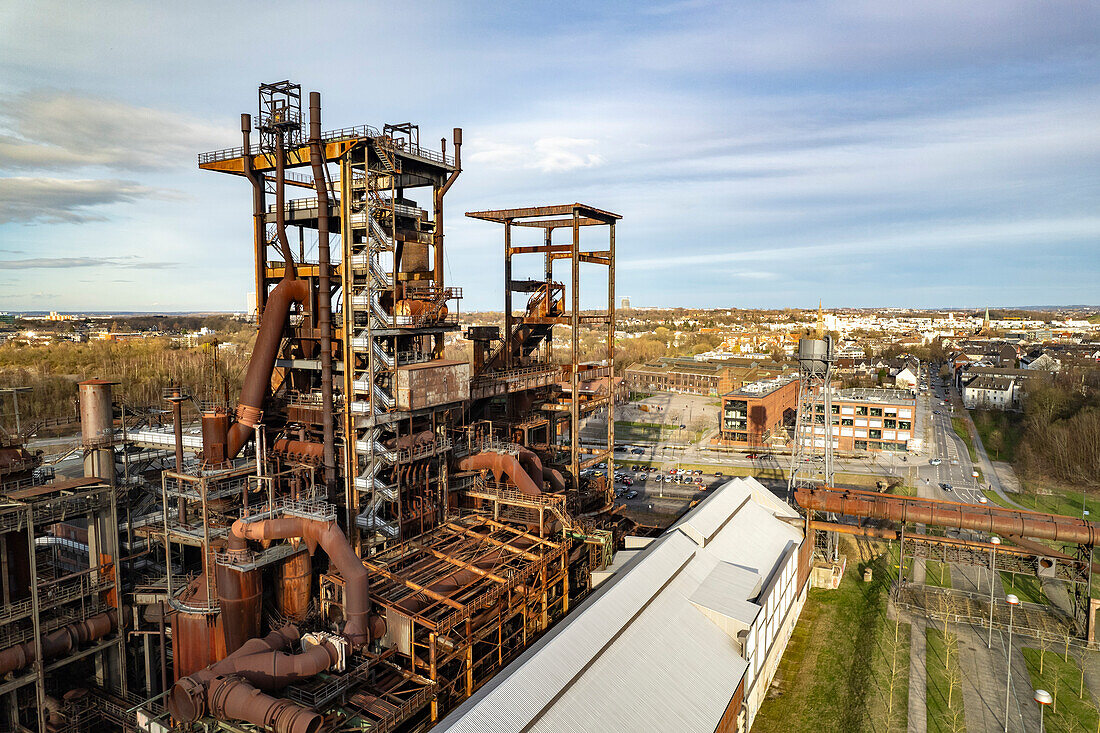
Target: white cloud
{"points": [[545, 154], [54, 200]]}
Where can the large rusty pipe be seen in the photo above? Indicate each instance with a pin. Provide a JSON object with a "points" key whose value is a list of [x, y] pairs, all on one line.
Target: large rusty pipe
{"points": [[940, 513], [532, 465], [258, 377], [555, 479], [230, 698], [324, 294], [59, 642], [290, 272], [331, 539], [503, 466], [305, 451], [230, 689], [259, 233], [437, 235]]}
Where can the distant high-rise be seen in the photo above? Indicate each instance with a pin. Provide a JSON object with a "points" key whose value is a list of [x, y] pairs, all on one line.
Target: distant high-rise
{"points": [[625, 303]]}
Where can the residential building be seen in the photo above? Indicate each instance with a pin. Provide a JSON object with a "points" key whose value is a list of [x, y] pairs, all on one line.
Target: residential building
{"points": [[992, 392], [689, 376], [685, 637]]}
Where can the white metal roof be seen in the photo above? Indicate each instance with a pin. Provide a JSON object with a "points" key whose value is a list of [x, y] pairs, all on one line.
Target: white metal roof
{"points": [[644, 651]]}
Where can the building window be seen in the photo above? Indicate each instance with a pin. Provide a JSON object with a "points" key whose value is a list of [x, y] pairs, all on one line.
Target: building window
{"points": [[861, 445], [876, 412], [846, 421], [835, 409], [889, 423], [905, 425], [861, 410], [876, 434]]}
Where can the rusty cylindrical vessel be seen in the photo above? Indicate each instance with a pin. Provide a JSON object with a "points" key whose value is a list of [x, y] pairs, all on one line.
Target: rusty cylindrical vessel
{"points": [[293, 578], [96, 416], [240, 593], [197, 639], [215, 431]]}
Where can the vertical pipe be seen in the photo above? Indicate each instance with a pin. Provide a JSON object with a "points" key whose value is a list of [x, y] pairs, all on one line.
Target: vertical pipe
{"points": [[611, 362], [40, 681], [163, 647], [177, 430], [574, 321], [259, 229], [507, 293], [324, 295]]}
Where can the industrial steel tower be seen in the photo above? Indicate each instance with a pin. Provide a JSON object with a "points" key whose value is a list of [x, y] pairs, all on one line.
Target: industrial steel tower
{"points": [[812, 455]]}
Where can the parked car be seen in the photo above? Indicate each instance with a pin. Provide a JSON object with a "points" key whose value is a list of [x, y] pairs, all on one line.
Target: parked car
{"points": [[631, 494], [719, 474], [637, 451]]}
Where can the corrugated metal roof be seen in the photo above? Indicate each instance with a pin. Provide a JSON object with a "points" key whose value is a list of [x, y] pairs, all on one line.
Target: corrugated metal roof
{"points": [[642, 653]]}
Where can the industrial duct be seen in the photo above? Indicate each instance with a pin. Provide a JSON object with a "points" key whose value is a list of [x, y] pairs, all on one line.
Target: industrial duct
{"points": [[331, 539], [231, 689], [59, 642], [941, 513], [503, 465]]}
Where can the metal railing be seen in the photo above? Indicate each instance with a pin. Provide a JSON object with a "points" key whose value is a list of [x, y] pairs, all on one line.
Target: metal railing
{"points": [[344, 133]]}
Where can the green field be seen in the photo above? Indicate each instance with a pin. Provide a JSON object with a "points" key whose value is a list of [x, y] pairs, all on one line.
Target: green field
{"points": [[944, 683], [1000, 433], [1026, 587], [959, 426], [937, 574], [844, 659], [1062, 678]]}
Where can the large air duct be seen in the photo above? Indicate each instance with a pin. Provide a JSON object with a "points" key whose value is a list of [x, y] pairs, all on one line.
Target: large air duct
{"points": [[331, 539], [939, 513], [60, 642], [272, 324], [503, 466], [231, 689]]}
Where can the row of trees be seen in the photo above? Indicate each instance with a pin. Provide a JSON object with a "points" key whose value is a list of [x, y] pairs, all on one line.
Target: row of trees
{"points": [[143, 369], [1061, 429]]}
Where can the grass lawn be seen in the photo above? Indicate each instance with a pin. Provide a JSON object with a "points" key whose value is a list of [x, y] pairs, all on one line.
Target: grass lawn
{"points": [[1000, 432], [944, 683], [959, 426], [937, 574], [837, 671], [1026, 587], [1070, 713]]}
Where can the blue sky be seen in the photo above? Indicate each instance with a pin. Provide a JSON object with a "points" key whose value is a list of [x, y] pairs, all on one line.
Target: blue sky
{"points": [[762, 154]]}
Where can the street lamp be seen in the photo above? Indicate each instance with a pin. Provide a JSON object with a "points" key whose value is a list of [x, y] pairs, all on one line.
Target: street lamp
{"points": [[994, 540], [1043, 698], [1013, 601]]}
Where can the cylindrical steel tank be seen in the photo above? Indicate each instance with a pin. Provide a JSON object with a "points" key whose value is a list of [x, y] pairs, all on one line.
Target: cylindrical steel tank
{"points": [[197, 639], [292, 585], [240, 593], [215, 432], [813, 355], [96, 417]]}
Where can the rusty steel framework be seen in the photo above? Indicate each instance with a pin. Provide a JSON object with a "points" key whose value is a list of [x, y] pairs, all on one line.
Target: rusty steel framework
{"points": [[375, 529], [1020, 527]]}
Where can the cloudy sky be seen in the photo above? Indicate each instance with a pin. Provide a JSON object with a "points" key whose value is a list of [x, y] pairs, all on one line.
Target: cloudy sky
{"points": [[762, 154]]}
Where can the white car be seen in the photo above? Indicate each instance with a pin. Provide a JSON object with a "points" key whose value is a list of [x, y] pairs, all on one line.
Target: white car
{"points": [[935, 461]]}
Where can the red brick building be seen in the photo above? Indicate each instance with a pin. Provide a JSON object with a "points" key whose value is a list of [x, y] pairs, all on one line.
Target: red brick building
{"points": [[760, 414]]}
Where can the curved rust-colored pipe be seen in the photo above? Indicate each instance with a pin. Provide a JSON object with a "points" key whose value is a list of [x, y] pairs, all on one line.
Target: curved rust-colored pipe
{"points": [[230, 689], [331, 539], [59, 642], [532, 465], [258, 378], [324, 289], [502, 465], [555, 479], [940, 513]]}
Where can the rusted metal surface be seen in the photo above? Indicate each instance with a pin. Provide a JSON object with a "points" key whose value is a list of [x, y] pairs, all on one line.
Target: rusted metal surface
{"points": [[197, 638], [939, 513], [60, 642], [324, 290], [215, 434], [293, 579], [239, 596], [230, 689], [432, 383], [96, 412], [329, 537]]}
